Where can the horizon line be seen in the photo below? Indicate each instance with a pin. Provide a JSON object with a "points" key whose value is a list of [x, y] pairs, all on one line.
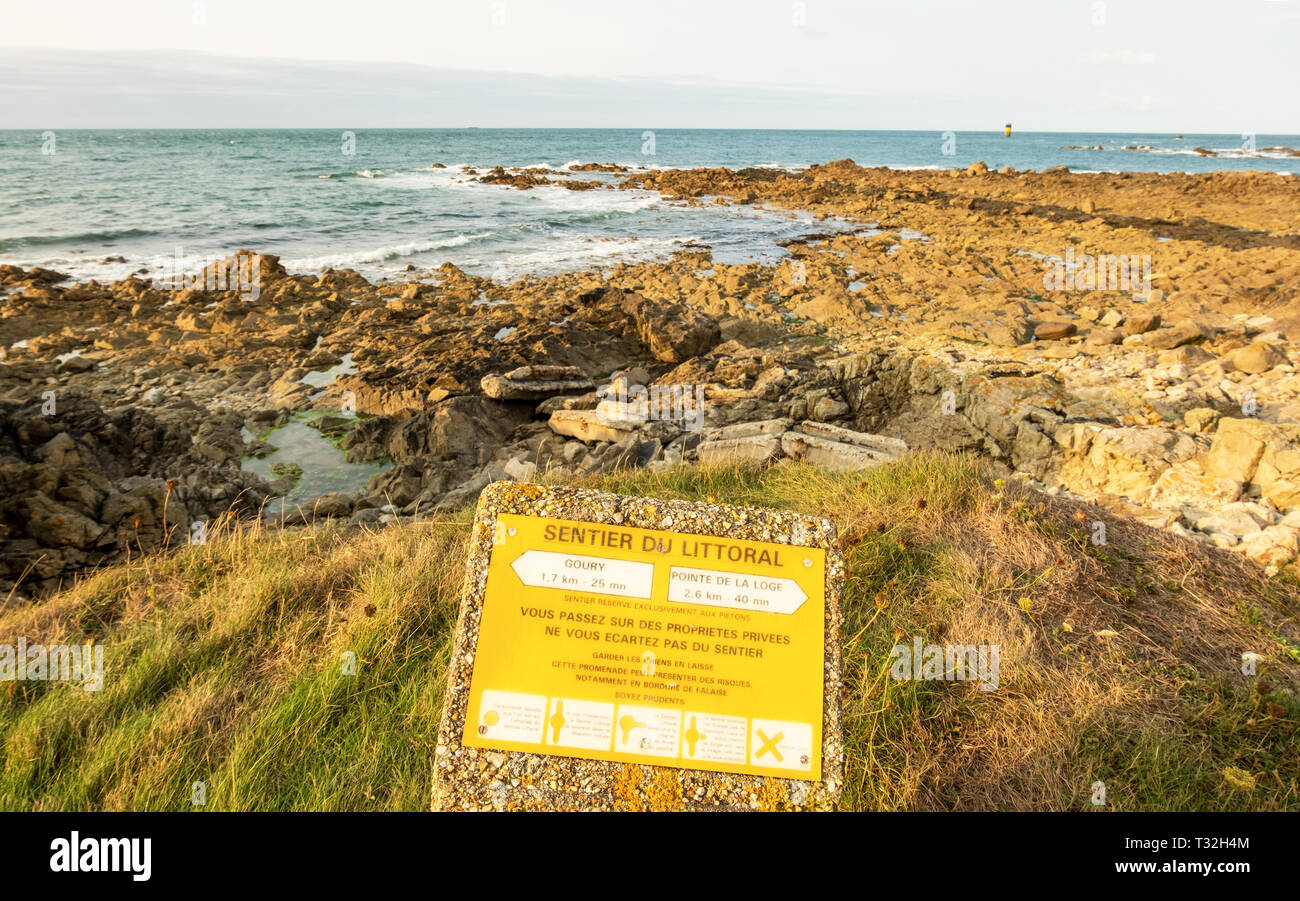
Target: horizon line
{"points": [[923, 131]]}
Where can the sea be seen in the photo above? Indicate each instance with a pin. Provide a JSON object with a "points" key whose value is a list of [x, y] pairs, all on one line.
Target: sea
{"points": [[104, 204]]}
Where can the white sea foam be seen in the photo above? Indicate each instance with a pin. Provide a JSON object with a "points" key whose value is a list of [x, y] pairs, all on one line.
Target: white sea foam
{"points": [[594, 201], [1230, 153], [569, 254], [353, 259]]}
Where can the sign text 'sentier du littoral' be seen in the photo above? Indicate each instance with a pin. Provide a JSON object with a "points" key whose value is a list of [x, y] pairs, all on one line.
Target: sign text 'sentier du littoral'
{"points": [[630, 652]]}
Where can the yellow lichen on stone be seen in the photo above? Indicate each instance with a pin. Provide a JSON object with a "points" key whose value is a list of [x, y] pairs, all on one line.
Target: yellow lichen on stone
{"points": [[665, 793], [772, 796], [526, 490], [627, 788]]}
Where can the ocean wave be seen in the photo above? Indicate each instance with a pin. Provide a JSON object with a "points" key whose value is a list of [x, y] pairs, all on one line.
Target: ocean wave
{"points": [[593, 217], [23, 241], [354, 173], [1263, 153], [1231, 153], [352, 259], [573, 254], [612, 201], [423, 177]]}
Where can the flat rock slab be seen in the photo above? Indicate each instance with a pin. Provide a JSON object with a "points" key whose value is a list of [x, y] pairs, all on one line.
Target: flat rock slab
{"points": [[1055, 331], [819, 443], [536, 383], [566, 710], [747, 449], [840, 449], [892, 446], [749, 429], [1175, 335], [589, 426]]}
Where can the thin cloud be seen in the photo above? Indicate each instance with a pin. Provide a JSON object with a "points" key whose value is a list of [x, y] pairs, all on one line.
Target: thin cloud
{"points": [[1121, 58]]}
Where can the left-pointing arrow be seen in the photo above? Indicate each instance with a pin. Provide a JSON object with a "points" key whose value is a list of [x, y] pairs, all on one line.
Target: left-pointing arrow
{"points": [[602, 575]]}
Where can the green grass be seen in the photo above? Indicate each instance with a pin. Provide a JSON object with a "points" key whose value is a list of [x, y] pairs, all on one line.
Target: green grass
{"points": [[225, 663]]}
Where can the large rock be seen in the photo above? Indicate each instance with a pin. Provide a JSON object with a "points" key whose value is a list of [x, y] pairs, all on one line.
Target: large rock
{"points": [[1104, 336], [244, 271], [764, 427], [1256, 358], [1232, 523], [398, 486], [1276, 544], [1141, 323], [519, 469], [1184, 485], [742, 449], [536, 383], [1120, 461], [289, 390], [586, 425], [1202, 419], [1278, 473], [893, 446], [54, 524], [335, 503], [1238, 447], [77, 363], [81, 487], [1055, 331], [466, 428], [459, 432], [1032, 451], [744, 442], [1175, 336], [63, 451], [621, 455], [673, 332], [996, 405], [839, 449]]}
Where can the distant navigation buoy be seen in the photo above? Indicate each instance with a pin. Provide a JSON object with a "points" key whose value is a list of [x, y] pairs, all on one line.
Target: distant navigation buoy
{"points": [[1008, 130]]}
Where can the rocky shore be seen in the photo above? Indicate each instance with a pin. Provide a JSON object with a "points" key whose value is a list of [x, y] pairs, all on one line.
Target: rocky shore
{"points": [[1126, 338]]}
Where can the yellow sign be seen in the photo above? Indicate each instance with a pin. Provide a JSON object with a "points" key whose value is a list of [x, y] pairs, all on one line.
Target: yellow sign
{"points": [[654, 647]]}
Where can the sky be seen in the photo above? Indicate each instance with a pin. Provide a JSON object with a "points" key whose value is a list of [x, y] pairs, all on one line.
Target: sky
{"points": [[1147, 66]]}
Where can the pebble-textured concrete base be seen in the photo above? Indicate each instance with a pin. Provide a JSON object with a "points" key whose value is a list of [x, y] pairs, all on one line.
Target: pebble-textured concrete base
{"points": [[477, 779]]}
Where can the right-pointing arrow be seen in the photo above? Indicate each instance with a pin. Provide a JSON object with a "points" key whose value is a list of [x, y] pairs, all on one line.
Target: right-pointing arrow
{"points": [[739, 591]]}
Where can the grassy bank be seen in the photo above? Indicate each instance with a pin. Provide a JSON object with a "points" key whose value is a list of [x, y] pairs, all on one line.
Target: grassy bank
{"points": [[1120, 663]]}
